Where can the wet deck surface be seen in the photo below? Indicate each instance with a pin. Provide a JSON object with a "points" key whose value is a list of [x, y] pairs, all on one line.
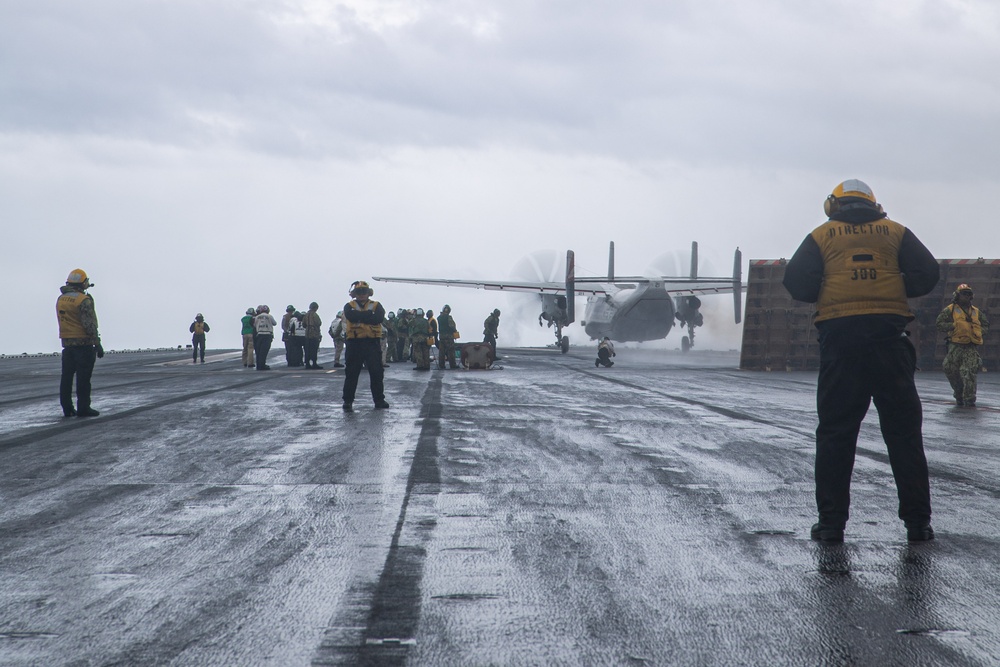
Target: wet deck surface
{"points": [[550, 513]]}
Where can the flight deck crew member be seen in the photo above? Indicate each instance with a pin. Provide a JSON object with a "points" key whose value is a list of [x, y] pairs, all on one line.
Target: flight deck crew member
{"points": [[964, 325], [339, 334], [859, 267], [605, 350], [247, 333], [391, 334], [447, 332], [363, 323], [81, 343], [286, 338], [491, 327], [296, 343], [198, 330], [314, 335], [263, 325], [402, 335], [419, 341], [432, 333]]}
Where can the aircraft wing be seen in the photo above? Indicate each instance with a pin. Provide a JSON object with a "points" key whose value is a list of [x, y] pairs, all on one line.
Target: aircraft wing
{"points": [[700, 290], [498, 285], [674, 285]]}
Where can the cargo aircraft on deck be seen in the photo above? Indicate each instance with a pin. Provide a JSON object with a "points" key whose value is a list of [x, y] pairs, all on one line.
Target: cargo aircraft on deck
{"points": [[623, 308]]}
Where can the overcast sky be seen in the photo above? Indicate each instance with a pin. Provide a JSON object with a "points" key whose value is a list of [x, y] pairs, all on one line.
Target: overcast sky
{"points": [[206, 156]]}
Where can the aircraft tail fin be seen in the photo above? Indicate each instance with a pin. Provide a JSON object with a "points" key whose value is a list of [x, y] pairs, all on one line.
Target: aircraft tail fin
{"points": [[738, 285], [571, 286], [694, 260], [611, 263]]}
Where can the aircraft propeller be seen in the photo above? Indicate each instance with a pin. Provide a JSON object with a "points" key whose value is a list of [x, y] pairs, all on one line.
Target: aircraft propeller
{"points": [[550, 310]]}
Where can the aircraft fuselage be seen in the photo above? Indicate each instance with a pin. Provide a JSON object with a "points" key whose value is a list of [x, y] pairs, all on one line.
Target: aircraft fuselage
{"points": [[645, 312]]}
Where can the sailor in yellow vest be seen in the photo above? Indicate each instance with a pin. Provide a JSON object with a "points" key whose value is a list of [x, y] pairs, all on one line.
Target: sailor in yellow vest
{"points": [[81, 343], [964, 326], [198, 330], [859, 268], [363, 320]]}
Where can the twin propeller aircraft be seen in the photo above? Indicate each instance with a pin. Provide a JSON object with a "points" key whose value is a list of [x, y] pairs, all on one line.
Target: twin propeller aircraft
{"points": [[623, 308]]}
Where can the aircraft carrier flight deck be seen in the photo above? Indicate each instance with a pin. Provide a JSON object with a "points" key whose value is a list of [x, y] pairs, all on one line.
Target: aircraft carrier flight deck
{"points": [[549, 513]]}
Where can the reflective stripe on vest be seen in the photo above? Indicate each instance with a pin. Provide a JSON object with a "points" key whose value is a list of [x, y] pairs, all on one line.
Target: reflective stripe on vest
{"points": [[68, 311], [361, 330], [968, 328], [861, 269]]}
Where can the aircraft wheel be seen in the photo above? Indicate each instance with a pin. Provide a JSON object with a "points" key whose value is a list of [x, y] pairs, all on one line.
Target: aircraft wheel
{"points": [[685, 344], [564, 344]]}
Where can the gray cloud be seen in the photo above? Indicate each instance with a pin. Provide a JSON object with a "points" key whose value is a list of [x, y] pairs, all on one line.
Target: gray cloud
{"points": [[772, 82]]}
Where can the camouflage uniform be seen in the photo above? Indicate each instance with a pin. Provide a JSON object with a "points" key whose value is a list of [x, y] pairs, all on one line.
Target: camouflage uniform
{"points": [[402, 336], [390, 337], [962, 362], [419, 331], [491, 326], [446, 339]]}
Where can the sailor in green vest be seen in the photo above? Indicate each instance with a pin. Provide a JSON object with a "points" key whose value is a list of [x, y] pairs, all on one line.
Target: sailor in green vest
{"points": [[859, 268], [81, 343], [964, 325], [391, 334], [247, 333], [447, 333], [491, 330], [419, 336], [198, 330]]}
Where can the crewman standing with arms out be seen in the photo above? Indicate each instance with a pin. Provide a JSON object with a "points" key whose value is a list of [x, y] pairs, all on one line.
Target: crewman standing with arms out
{"points": [[447, 332], [859, 268], [363, 323], [198, 330], [81, 343], [964, 326], [491, 330]]}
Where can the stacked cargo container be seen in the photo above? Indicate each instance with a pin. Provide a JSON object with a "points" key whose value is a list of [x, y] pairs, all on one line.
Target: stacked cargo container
{"points": [[778, 333]]}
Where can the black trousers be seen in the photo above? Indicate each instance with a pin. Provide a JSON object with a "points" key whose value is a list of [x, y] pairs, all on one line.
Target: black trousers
{"points": [[77, 360], [848, 382], [363, 352], [295, 350], [261, 346], [312, 351], [198, 344], [604, 356]]}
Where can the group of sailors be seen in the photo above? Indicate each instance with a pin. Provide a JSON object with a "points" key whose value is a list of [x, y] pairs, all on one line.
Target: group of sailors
{"points": [[408, 335], [300, 332], [411, 334]]}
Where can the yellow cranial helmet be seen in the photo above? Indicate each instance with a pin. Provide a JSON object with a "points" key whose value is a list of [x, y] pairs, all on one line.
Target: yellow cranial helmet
{"points": [[360, 287], [964, 287], [77, 277], [853, 191]]}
